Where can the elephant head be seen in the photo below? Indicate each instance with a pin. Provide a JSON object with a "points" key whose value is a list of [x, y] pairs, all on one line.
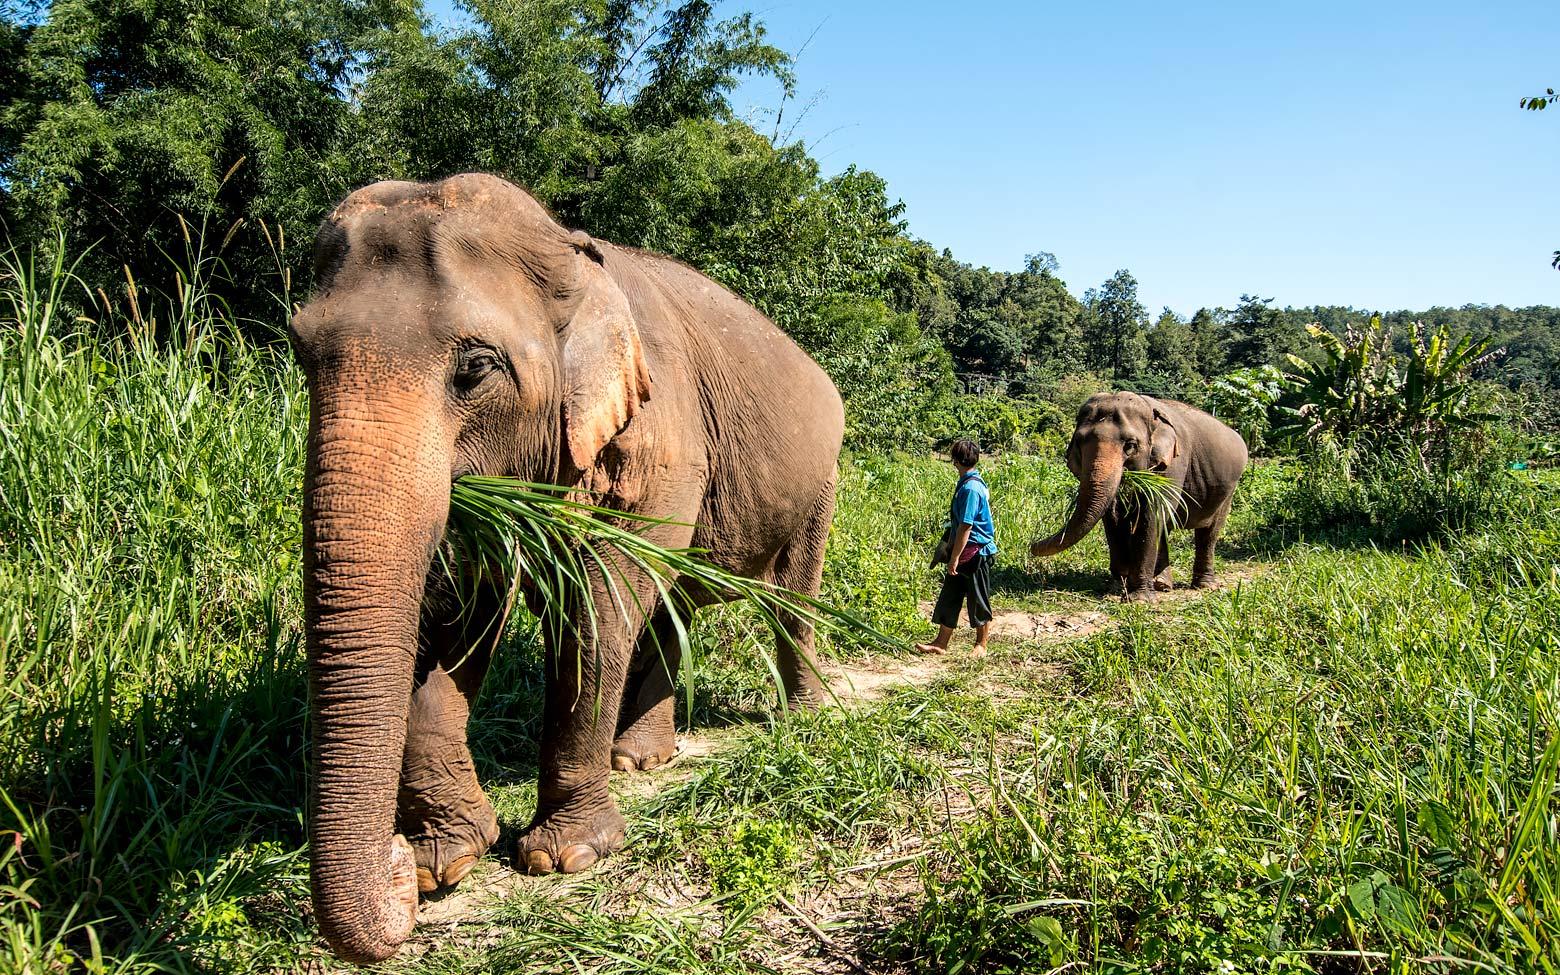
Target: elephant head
{"points": [[455, 329], [1115, 431]]}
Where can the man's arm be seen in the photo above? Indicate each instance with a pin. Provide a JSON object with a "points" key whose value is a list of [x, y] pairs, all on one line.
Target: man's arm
{"points": [[961, 538]]}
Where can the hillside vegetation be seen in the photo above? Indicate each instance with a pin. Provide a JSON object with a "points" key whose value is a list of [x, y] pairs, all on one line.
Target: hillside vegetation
{"points": [[124, 123]]}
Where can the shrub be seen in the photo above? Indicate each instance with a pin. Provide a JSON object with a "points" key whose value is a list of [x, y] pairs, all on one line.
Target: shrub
{"points": [[1392, 491], [1244, 400], [758, 858]]}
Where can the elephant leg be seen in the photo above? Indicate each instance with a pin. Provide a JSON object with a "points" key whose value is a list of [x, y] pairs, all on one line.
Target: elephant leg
{"points": [[1162, 580], [1142, 561], [800, 569], [647, 729], [440, 806], [1118, 540], [1207, 538], [576, 821]]}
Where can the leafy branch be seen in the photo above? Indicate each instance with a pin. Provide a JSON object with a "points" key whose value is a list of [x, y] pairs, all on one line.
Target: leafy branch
{"points": [[504, 531]]}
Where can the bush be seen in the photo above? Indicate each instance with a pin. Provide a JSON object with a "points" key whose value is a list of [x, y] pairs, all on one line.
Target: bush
{"points": [[891, 376], [1244, 400], [1392, 492]]}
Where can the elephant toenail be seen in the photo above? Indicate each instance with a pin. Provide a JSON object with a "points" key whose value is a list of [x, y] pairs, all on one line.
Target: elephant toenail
{"points": [[456, 872], [622, 763], [578, 857], [538, 862], [425, 881]]}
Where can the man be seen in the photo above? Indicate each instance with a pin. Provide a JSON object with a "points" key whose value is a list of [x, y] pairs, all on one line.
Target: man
{"points": [[967, 580]]}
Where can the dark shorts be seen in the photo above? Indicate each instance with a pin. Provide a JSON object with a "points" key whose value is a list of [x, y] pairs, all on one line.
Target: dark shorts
{"points": [[972, 588]]}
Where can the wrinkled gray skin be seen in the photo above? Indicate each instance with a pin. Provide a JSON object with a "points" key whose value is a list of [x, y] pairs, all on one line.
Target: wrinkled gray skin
{"points": [[1201, 456], [457, 329]]}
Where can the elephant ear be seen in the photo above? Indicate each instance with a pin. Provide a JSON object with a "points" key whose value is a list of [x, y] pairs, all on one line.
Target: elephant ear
{"points": [[1163, 441], [605, 379]]}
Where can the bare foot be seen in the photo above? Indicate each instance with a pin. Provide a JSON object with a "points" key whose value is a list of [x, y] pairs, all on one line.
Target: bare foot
{"points": [[978, 650], [931, 648]]}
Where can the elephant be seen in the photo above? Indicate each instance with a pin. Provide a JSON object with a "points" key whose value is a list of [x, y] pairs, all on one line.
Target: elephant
{"points": [[456, 328], [1202, 458]]}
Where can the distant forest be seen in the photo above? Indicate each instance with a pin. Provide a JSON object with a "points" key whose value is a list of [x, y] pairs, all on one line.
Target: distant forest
{"points": [[145, 136]]}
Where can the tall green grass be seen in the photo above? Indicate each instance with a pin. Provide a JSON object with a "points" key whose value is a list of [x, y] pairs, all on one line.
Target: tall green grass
{"points": [[151, 727], [1351, 765]]}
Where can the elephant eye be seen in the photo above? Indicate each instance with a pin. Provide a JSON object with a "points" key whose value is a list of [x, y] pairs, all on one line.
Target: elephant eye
{"points": [[1131, 446], [473, 365]]}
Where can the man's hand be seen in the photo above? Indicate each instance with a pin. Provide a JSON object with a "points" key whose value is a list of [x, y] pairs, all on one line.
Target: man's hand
{"points": [[961, 538]]}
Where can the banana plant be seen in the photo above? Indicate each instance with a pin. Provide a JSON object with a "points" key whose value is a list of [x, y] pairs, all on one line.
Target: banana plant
{"points": [[1361, 389]]}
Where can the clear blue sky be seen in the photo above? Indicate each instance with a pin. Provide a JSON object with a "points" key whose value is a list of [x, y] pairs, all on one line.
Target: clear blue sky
{"points": [[1370, 154]]}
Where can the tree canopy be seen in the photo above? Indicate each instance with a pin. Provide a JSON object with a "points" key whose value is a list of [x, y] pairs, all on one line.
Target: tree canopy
{"points": [[129, 126]]}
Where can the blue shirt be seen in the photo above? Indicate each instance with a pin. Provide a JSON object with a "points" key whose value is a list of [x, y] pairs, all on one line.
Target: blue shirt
{"points": [[972, 506]]}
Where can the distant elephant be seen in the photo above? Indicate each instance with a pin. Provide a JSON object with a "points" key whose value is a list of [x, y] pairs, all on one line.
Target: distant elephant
{"points": [[457, 329], [1202, 458]]}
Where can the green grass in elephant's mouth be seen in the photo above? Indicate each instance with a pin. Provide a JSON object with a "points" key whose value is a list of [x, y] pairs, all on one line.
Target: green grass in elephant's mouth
{"points": [[1144, 492], [1153, 494], [503, 529]]}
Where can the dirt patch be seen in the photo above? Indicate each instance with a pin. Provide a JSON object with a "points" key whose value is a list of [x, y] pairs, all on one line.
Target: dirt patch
{"points": [[873, 678], [1018, 626]]}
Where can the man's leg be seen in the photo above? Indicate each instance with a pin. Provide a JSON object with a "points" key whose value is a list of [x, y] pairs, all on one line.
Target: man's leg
{"points": [[980, 601], [945, 614]]}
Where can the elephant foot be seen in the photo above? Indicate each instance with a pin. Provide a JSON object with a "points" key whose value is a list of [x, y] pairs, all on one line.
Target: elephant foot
{"points": [[1162, 582], [570, 839], [1205, 581], [641, 751], [1141, 596], [806, 698], [447, 850], [448, 822]]}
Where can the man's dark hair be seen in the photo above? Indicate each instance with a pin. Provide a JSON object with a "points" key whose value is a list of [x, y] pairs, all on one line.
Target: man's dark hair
{"points": [[964, 453]]}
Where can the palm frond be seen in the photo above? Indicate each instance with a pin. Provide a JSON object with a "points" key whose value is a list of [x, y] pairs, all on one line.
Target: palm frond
{"points": [[503, 531]]}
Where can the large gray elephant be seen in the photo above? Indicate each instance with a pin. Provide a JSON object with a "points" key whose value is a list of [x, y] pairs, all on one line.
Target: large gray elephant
{"points": [[1202, 458], [458, 329]]}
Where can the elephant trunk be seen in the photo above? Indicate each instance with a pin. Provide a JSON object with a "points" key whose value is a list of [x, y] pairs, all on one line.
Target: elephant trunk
{"points": [[1096, 492], [376, 496]]}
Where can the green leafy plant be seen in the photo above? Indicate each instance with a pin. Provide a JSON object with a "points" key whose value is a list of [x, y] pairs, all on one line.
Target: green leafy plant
{"points": [[1362, 388], [1153, 495], [758, 857], [504, 529], [1244, 399]]}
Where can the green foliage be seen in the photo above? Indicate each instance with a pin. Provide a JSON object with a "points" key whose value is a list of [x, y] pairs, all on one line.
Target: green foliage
{"points": [[502, 529], [995, 423], [124, 114], [894, 379], [758, 858], [1391, 491], [149, 643], [1150, 495], [1245, 400], [1285, 776], [1257, 334], [1171, 371], [1361, 390], [1116, 327]]}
